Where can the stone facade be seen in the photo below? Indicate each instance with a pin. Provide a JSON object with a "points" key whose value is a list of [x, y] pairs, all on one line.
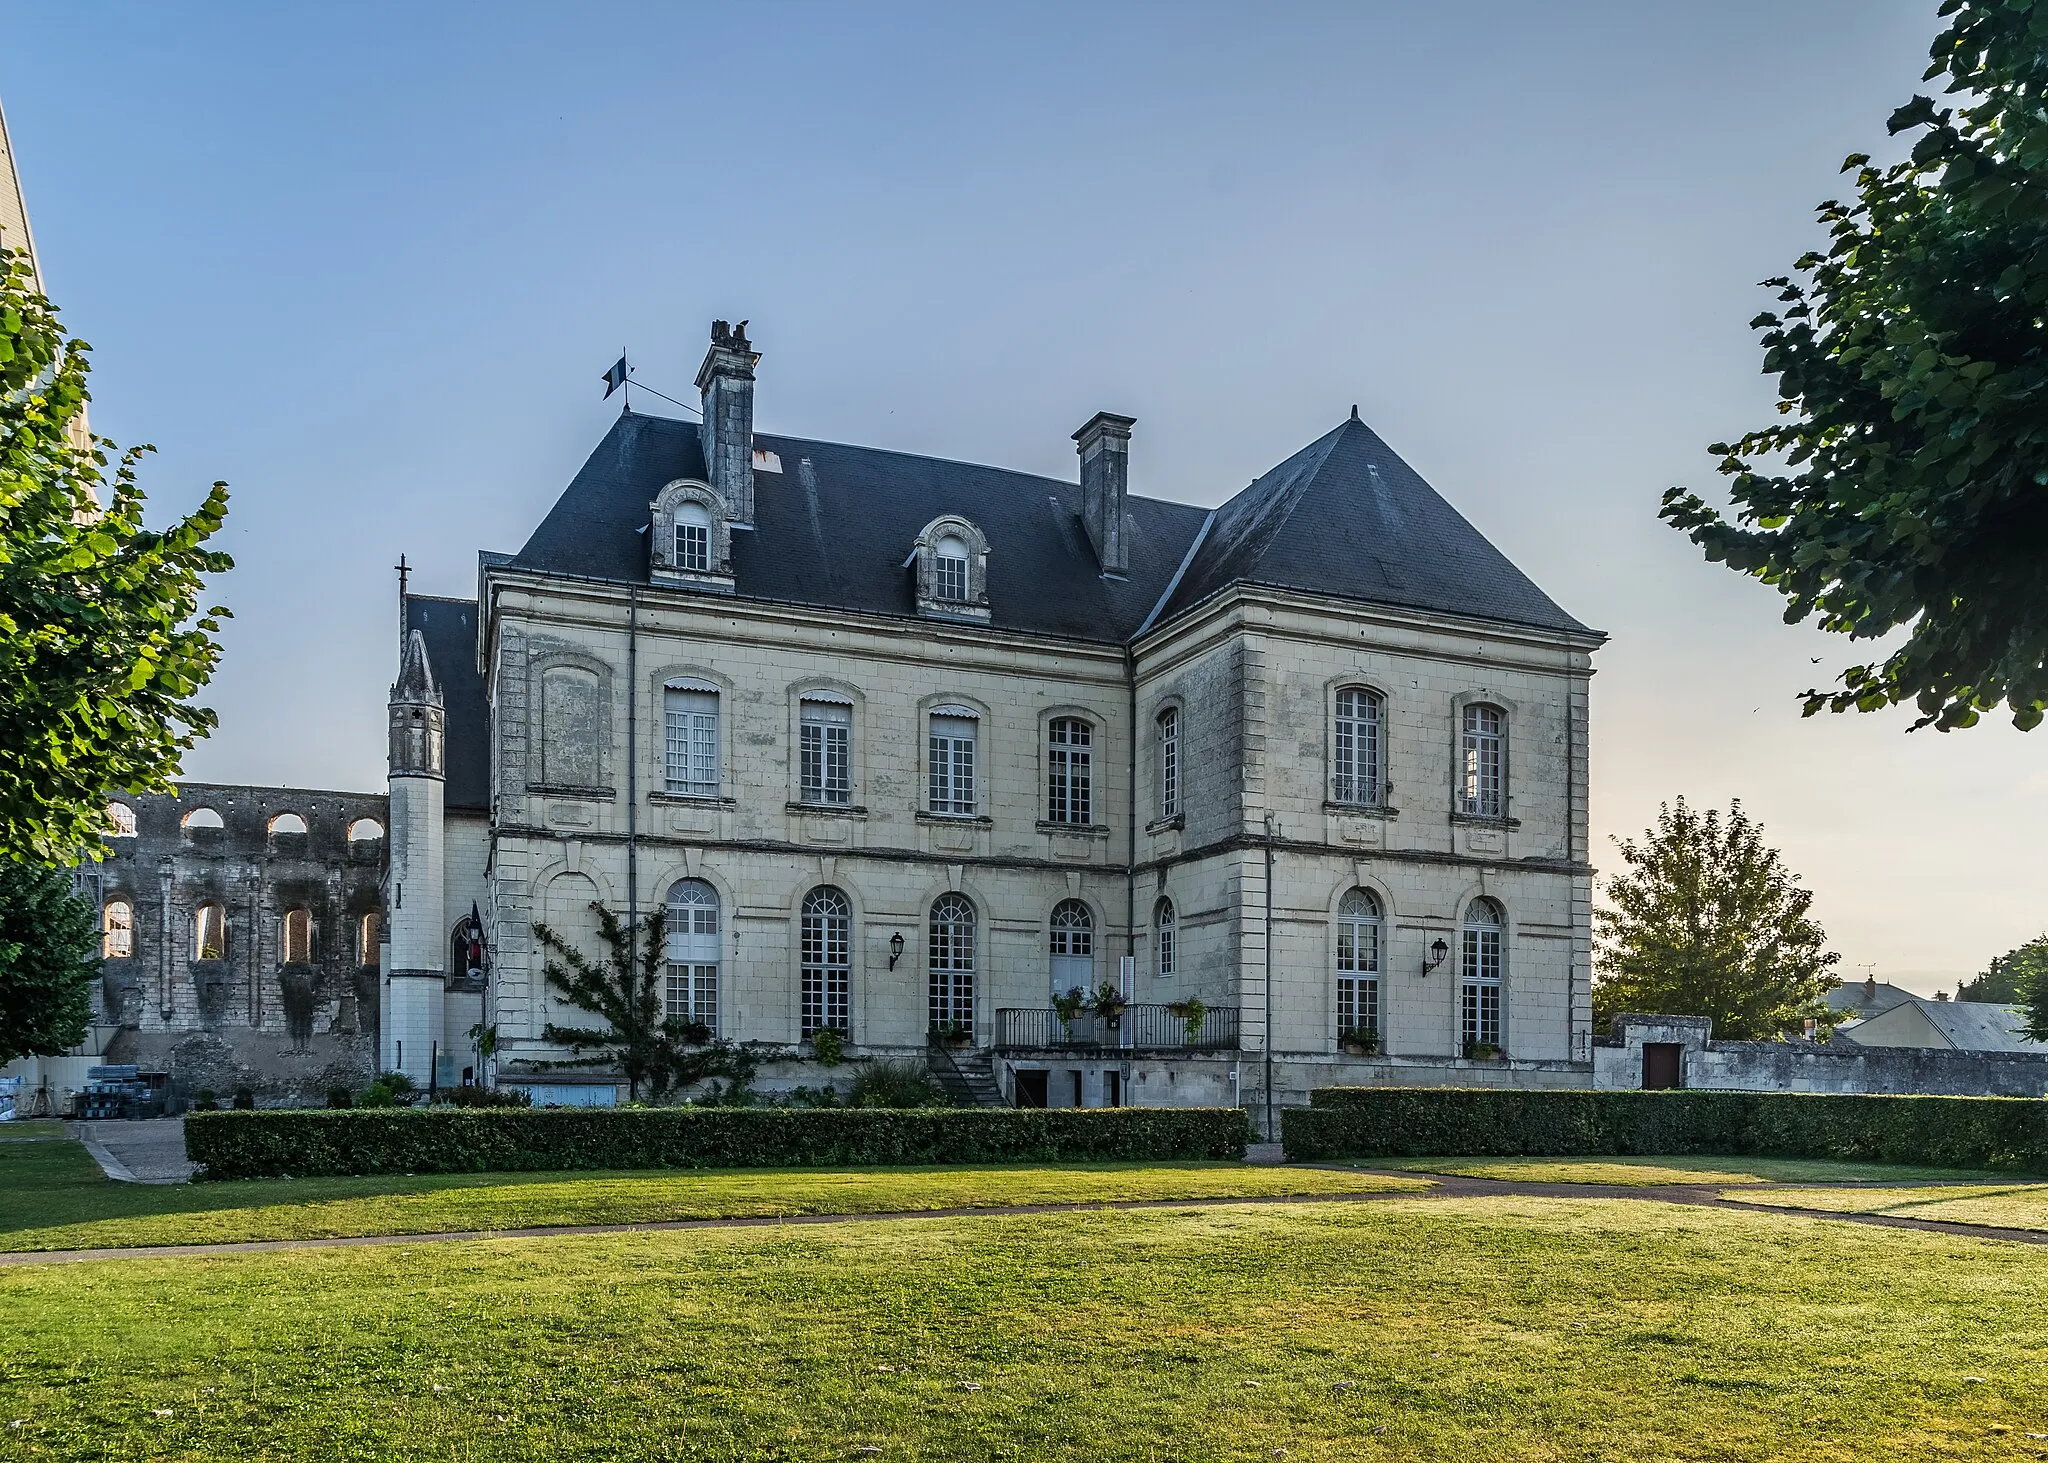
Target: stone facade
{"points": [[1836, 1066]]}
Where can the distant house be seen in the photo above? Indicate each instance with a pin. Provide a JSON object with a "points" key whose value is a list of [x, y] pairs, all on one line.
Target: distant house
{"points": [[1884, 1015]]}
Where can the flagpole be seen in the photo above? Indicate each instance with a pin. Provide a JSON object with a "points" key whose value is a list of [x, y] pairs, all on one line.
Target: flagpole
{"points": [[627, 383]]}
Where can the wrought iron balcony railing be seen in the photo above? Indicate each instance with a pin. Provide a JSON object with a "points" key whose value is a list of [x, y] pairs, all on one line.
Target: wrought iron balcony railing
{"points": [[1135, 1029]]}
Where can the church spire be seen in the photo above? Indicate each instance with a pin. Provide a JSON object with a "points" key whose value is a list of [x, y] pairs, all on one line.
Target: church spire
{"points": [[14, 230], [418, 723]]}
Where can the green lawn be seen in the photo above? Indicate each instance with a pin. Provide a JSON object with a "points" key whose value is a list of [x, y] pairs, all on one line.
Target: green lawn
{"points": [[1495, 1329], [23, 1130], [1691, 1170], [2013, 1206], [53, 1196]]}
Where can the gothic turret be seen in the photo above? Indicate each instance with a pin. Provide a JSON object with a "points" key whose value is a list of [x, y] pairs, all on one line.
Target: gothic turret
{"points": [[419, 730], [414, 985]]}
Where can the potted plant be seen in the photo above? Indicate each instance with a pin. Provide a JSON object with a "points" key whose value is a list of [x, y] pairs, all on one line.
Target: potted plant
{"points": [[1359, 1041], [1068, 1007], [1191, 1013], [1108, 1003], [1483, 1051], [829, 1044], [952, 1033]]}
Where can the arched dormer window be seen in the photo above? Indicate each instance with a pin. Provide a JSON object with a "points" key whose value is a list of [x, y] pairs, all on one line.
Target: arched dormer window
{"points": [[951, 560], [692, 537]]}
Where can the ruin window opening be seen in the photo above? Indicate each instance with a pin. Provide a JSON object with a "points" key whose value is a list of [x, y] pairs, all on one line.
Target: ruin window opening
{"points": [[117, 930], [202, 818], [365, 830], [120, 820], [369, 936], [298, 936], [210, 932], [287, 823]]}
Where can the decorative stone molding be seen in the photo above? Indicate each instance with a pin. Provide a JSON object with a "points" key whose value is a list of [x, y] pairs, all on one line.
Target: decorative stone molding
{"points": [[664, 565], [924, 556]]}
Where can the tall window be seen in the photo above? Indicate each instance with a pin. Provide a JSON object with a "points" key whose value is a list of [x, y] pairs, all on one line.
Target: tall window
{"points": [[1479, 781], [1356, 777], [210, 932], [692, 741], [298, 936], [1479, 998], [825, 752], [1068, 795], [827, 954], [950, 954], [1072, 947], [693, 538], [1162, 925], [953, 731], [949, 569], [1358, 963], [369, 935], [117, 930], [691, 990], [1169, 762]]}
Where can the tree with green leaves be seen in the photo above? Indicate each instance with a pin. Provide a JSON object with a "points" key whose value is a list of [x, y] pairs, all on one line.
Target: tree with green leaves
{"points": [[49, 958], [1904, 485], [102, 641], [1706, 920], [2000, 982], [623, 989]]}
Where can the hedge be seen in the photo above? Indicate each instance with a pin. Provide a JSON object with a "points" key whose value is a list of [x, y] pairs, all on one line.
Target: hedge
{"points": [[320, 1143], [1414, 1122]]}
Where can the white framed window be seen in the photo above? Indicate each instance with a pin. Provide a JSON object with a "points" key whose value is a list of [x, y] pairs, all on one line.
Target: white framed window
{"points": [[1479, 770], [1169, 762], [1163, 933], [825, 753], [827, 960], [1355, 748], [1358, 964], [1069, 796], [949, 954], [949, 569], [117, 930], [951, 749], [690, 715], [1479, 975], [1072, 947], [693, 538], [690, 992]]}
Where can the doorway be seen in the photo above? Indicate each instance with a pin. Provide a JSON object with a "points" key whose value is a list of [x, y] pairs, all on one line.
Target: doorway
{"points": [[1031, 1088], [1661, 1065]]}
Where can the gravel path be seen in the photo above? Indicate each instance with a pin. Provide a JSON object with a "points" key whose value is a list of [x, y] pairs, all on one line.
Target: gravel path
{"points": [[141, 1151]]}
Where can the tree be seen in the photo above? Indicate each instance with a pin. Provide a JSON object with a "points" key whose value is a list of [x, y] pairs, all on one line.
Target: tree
{"points": [[624, 990], [102, 643], [2000, 982], [1905, 484], [1707, 921], [49, 958]]}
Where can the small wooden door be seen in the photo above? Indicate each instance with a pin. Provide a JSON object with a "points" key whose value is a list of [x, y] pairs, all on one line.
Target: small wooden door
{"points": [[1661, 1065]]}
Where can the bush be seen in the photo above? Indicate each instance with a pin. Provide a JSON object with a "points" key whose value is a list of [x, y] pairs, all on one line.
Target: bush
{"points": [[829, 1045], [895, 1084], [391, 1089], [245, 1100], [338, 1097], [313, 1143], [486, 1097], [1415, 1122]]}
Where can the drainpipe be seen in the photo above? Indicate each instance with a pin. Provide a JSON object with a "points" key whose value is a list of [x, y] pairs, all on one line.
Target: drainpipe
{"points": [[633, 764], [1131, 826], [1269, 978]]}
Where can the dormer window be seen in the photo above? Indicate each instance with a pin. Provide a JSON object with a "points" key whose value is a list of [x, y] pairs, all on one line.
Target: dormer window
{"points": [[950, 559], [693, 538]]}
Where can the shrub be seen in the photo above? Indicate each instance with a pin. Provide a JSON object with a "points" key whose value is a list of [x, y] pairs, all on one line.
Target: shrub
{"points": [[829, 1045], [314, 1143], [205, 1101], [895, 1084], [337, 1097], [486, 1097], [245, 1100], [1414, 1122]]}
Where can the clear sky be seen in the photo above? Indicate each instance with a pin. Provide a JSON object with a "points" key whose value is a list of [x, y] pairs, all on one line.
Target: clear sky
{"points": [[367, 262]]}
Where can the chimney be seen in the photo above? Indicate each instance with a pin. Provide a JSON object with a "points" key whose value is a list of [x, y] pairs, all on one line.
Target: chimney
{"points": [[727, 380], [1105, 448]]}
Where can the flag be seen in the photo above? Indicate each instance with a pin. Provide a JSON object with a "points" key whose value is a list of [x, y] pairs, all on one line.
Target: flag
{"points": [[615, 377]]}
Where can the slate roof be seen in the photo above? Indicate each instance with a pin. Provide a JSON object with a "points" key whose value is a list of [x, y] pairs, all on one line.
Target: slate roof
{"points": [[449, 628], [1867, 998], [1967, 1026], [1345, 516]]}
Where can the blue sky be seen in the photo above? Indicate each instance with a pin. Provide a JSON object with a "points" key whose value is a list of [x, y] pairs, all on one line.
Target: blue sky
{"points": [[367, 262]]}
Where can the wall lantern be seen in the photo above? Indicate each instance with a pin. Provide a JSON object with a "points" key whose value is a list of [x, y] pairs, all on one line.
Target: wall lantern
{"points": [[895, 948], [1438, 950]]}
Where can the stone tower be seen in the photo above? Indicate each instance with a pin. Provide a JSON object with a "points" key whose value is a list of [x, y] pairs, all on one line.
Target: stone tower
{"points": [[414, 980]]}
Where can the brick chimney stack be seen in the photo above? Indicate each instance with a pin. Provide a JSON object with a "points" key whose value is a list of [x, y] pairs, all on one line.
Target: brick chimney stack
{"points": [[726, 380], [1105, 448]]}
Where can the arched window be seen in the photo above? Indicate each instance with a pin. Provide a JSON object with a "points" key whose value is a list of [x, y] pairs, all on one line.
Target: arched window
{"points": [[693, 538], [202, 818], [827, 959], [120, 820], [369, 936], [1169, 762], [1068, 773], [950, 957], [691, 993], [1480, 791], [1358, 967], [1355, 748], [298, 936], [1162, 924], [1072, 947], [287, 823], [117, 930], [949, 569], [210, 932], [466, 949], [365, 830], [1479, 978]]}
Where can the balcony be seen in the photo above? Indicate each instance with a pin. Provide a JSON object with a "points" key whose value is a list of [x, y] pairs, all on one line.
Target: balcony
{"points": [[1138, 1029]]}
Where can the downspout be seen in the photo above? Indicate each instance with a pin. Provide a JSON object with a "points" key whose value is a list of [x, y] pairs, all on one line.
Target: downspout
{"points": [[1269, 978], [1131, 827], [633, 763]]}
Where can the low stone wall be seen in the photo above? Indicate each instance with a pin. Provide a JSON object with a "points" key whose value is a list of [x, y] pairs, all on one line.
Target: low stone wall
{"points": [[1806, 1066]]}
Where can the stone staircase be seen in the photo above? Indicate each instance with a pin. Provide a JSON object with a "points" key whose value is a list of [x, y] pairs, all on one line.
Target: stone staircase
{"points": [[967, 1078]]}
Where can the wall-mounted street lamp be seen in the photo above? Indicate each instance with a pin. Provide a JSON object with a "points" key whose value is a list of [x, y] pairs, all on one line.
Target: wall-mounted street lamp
{"points": [[1438, 950], [895, 948]]}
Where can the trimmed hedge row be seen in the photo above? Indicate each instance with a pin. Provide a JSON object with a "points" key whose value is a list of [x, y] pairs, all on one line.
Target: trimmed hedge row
{"points": [[312, 1144], [1415, 1122]]}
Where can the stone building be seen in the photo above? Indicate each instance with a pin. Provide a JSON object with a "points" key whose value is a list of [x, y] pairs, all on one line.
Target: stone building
{"points": [[908, 748]]}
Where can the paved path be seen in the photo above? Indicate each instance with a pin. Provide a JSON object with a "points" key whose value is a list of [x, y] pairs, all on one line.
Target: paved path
{"points": [[1705, 1196], [141, 1151]]}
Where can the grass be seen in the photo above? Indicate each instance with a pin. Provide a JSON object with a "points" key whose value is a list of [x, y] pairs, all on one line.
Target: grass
{"points": [[1483, 1329], [1689, 1170], [2011, 1206], [24, 1130], [53, 1196]]}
